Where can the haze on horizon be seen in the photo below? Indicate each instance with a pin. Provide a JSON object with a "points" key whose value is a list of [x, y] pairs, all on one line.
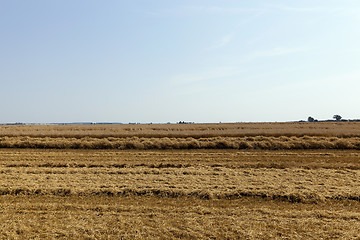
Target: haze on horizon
{"points": [[168, 61]]}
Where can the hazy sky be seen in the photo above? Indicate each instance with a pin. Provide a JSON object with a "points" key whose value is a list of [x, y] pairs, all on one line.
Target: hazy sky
{"points": [[179, 60]]}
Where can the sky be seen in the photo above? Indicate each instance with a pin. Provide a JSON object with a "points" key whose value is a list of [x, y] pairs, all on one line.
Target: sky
{"points": [[180, 60]]}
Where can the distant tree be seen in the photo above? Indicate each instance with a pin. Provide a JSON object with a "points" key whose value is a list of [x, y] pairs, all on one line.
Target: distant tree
{"points": [[311, 119], [337, 117]]}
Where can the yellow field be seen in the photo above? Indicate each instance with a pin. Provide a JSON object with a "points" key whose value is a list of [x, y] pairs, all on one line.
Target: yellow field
{"points": [[176, 194], [265, 136], [53, 217], [169, 193], [328, 129]]}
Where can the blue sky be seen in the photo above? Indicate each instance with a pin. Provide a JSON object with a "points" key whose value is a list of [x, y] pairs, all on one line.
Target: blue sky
{"points": [[169, 61]]}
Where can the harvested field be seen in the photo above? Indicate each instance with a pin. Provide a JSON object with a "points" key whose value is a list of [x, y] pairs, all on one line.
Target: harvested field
{"points": [[259, 142], [299, 129], [162, 194], [184, 181], [288, 176], [54, 217], [263, 136]]}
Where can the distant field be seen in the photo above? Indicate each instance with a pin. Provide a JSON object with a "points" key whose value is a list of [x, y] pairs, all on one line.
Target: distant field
{"points": [[196, 181], [327, 129], [267, 136]]}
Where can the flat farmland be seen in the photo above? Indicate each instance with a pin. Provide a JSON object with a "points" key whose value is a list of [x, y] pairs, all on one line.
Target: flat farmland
{"points": [[178, 192], [332, 129]]}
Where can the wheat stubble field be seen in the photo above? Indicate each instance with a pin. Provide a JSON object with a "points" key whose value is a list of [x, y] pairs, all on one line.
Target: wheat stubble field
{"points": [[196, 181]]}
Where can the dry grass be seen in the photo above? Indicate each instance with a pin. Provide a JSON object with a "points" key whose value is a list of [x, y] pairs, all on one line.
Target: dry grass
{"points": [[328, 129], [266, 136], [53, 217], [183, 194], [198, 181], [201, 174], [258, 142]]}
